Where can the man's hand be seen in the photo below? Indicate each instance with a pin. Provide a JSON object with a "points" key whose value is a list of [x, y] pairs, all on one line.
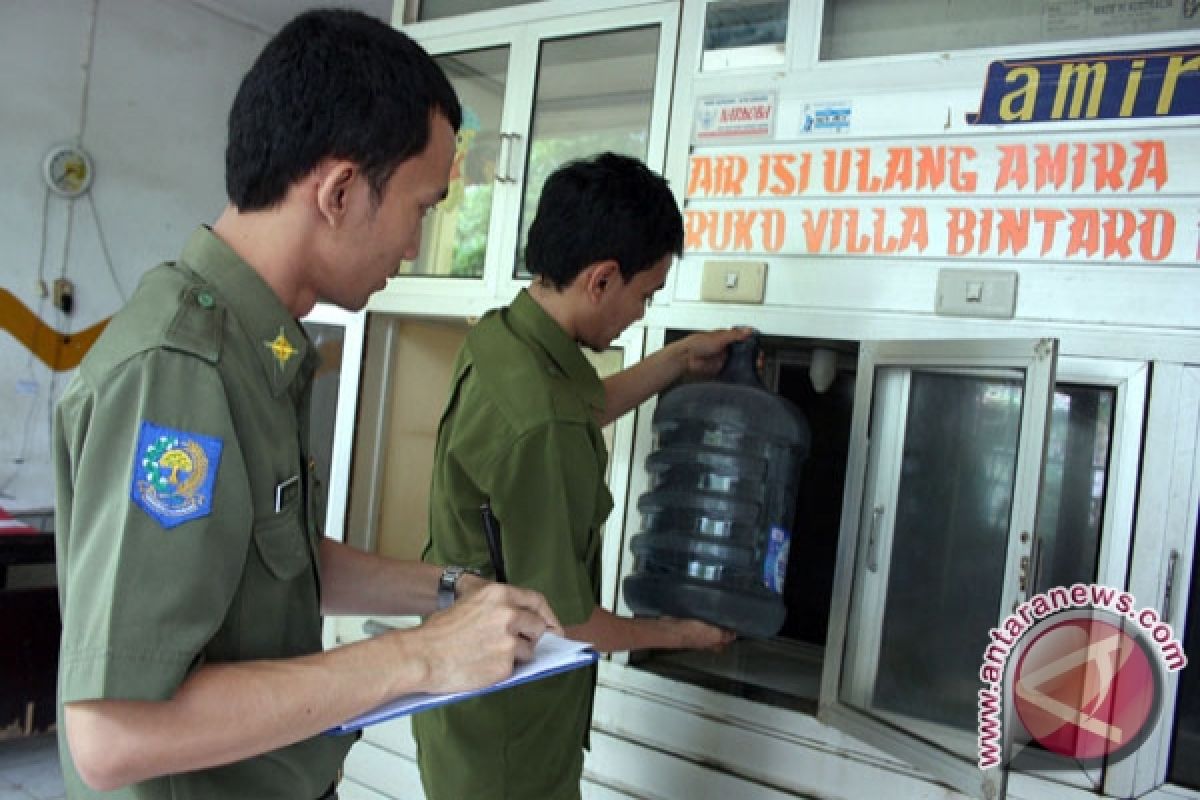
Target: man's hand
{"points": [[469, 583], [703, 354], [698, 356], [692, 634], [477, 641], [226, 712]]}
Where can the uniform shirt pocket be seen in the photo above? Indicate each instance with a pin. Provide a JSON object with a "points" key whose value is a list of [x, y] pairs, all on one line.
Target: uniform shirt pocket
{"points": [[282, 545]]}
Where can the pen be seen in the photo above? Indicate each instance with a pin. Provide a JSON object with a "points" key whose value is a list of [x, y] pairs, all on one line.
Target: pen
{"points": [[491, 533]]}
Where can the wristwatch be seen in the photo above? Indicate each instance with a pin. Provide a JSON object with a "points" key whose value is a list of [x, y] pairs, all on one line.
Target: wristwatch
{"points": [[447, 590]]}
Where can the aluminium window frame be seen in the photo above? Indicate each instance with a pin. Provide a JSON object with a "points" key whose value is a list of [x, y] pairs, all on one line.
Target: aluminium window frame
{"points": [[1036, 358]]}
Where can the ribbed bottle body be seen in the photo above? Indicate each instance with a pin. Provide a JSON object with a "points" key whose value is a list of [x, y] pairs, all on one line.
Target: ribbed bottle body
{"points": [[714, 538]]}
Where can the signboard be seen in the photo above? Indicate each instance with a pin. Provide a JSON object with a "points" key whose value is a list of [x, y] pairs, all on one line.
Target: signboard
{"points": [[740, 118], [1125, 200], [1141, 83]]}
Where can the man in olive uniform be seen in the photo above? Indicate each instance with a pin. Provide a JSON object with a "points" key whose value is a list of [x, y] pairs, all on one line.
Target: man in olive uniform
{"points": [[192, 571], [522, 431]]}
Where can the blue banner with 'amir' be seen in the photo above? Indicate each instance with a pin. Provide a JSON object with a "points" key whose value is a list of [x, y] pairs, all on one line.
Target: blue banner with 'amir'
{"points": [[1128, 85], [174, 473]]}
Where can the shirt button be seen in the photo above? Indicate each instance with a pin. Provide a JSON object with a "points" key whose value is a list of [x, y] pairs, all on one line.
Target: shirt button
{"points": [[204, 299]]}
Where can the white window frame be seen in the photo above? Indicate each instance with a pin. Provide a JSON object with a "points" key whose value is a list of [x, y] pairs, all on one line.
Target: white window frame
{"points": [[472, 296], [354, 323], [375, 375], [1130, 379]]}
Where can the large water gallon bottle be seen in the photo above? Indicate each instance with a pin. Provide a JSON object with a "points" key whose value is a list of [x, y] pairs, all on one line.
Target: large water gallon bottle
{"points": [[714, 539]]}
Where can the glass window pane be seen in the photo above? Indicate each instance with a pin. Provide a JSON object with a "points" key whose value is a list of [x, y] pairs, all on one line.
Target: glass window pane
{"points": [[1184, 767], [440, 9], [745, 33], [1074, 483], [948, 549], [739, 23], [594, 93], [859, 28], [454, 237]]}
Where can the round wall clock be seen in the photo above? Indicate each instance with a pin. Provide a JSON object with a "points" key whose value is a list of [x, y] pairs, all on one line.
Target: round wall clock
{"points": [[67, 170]]}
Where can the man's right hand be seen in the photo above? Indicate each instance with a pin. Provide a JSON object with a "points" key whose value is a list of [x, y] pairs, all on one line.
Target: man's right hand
{"points": [[692, 634], [477, 641]]}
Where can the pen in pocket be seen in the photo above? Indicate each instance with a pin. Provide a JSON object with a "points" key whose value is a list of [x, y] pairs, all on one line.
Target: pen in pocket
{"points": [[491, 534]]}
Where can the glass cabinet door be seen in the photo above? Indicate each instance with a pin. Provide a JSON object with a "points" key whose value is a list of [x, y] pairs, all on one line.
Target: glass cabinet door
{"points": [[595, 93], [536, 94], [946, 457], [454, 237], [1165, 577]]}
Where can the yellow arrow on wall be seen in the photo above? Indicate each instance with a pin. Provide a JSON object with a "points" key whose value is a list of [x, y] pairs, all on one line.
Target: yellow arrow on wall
{"points": [[58, 351]]}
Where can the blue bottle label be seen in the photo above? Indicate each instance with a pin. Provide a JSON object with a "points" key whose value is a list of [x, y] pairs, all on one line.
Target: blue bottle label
{"points": [[775, 564]]}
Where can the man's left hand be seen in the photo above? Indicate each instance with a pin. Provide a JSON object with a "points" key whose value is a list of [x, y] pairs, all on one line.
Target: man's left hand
{"points": [[703, 354]]}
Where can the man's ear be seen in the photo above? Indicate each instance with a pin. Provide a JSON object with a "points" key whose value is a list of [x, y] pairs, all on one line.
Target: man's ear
{"points": [[334, 187], [600, 277]]}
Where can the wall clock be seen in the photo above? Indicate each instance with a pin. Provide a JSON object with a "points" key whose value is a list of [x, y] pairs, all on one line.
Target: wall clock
{"points": [[67, 170]]}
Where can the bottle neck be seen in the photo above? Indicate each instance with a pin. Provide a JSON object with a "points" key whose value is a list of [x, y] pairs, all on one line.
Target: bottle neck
{"points": [[741, 363]]}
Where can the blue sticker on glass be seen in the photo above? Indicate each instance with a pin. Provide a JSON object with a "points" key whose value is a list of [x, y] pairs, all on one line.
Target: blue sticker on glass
{"points": [[173, 474], [775, 564]]}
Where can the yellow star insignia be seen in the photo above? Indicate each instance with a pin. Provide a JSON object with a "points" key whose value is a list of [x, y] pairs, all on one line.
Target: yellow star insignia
{"points": [[281, 348]]}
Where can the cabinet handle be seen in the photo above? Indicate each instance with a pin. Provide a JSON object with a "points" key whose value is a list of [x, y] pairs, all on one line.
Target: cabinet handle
{"points": [[873, 539], [1035, 573], [504, 170], [1172, 562], [502, 159]]}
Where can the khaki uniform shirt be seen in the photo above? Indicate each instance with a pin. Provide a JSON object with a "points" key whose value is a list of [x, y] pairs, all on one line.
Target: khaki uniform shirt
{"points": [[519, 430], [186, 518]]}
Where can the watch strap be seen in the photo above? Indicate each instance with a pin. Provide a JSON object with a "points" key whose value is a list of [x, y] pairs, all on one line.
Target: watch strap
{"points": [[447, 591]]}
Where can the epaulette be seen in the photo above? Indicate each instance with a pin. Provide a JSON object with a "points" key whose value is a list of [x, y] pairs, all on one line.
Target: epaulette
{"points": [[198, 324]]}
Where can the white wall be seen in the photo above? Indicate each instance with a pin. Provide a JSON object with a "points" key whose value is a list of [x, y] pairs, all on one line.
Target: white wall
{"points": [[145, 85]]}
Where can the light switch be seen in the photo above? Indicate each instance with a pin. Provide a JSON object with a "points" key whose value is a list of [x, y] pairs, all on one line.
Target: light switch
{"points": [[734, 281], [976, 293]]}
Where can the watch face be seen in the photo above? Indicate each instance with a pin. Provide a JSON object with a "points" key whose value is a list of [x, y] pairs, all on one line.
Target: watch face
{"points": [[447, 586]]}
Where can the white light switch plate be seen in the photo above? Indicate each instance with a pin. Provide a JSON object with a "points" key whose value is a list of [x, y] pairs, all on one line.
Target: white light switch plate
{"points": [[976, 293], [734, 281]]}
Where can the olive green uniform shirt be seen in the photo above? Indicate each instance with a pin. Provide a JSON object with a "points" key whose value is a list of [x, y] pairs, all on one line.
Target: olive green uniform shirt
{"points": [[186, 515], [519, 430]]}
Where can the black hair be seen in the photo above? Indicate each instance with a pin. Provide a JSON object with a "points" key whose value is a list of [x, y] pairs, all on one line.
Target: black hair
{"points": [[331, 83], [607, 207]]}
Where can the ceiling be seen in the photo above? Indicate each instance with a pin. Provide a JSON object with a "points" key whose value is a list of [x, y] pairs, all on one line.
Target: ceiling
{"points": [[270, 15]]}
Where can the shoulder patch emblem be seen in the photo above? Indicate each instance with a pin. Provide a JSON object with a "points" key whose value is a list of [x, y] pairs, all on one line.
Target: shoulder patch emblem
{"points": [[173, 474]]}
